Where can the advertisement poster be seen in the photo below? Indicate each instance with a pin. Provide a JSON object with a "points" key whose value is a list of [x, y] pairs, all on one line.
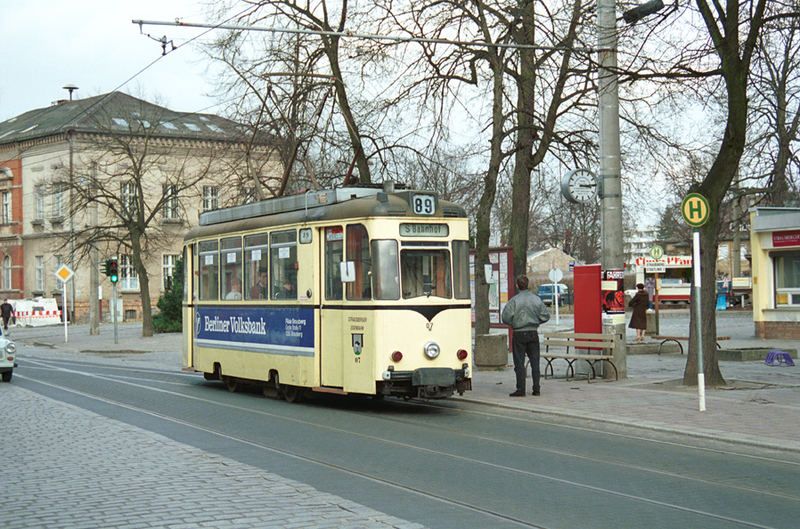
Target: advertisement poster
{"points": [[500, 283], [278, 330], [613, 291]]}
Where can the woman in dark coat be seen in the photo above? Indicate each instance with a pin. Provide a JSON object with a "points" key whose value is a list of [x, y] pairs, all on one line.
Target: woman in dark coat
{"points": [[640, 304]]}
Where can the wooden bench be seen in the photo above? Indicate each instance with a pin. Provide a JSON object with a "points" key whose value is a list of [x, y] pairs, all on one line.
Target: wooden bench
{"points": [[573, 340], [679, 339]]}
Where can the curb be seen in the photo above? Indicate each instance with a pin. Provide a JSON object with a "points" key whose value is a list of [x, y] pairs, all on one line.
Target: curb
{"points": [[712, 435]]}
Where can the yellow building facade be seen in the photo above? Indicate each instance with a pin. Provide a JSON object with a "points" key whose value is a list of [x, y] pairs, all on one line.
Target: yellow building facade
{"points": [[775, 250]]}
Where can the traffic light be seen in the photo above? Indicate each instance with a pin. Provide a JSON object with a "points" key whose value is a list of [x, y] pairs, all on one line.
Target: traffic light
{"points": [[105, 267], [113, 270]]}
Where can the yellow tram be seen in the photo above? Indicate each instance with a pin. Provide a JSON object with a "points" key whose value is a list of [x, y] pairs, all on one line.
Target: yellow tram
{"points": [[353, 290]]}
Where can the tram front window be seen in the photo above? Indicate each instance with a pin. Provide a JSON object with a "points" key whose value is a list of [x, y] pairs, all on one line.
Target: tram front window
{"points": [[385, 276], [425, 273]]}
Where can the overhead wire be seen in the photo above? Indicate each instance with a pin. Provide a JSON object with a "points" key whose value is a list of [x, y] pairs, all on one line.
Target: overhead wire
{"points": [[148, 66]]}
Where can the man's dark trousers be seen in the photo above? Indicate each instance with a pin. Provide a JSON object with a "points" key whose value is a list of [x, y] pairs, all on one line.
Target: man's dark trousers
{"points": [[526, 344]]}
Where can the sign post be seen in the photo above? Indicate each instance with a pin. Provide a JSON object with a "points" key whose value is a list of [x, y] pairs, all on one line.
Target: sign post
{"points": [[555, 276], [656, 252], [64, 274], [695, 210]]}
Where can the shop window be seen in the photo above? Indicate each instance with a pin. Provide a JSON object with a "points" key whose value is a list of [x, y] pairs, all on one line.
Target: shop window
{"points": [[787, 278]]}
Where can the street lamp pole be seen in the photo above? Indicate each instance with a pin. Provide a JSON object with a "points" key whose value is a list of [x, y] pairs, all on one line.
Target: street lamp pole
{"points": [[609, 174], [610, 184]]}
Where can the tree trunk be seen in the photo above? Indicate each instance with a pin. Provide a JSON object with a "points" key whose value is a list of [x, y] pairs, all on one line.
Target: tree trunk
{"points": [[144, 285], [332, 52], [523, 155], [735, 58], [483, 216]]}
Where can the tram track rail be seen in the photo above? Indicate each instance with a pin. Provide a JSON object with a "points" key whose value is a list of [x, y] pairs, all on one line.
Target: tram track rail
{"points": [[147, 384]]}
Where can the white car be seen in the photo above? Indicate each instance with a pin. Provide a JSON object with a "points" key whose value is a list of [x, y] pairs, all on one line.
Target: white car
{"points": [[7, 357]]}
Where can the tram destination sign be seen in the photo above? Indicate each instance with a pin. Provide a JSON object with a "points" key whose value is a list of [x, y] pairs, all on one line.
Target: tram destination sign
{"points": [[408, 229]]}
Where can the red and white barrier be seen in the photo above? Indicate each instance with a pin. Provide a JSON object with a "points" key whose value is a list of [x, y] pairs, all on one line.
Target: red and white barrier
{"points": [[36, 313]]}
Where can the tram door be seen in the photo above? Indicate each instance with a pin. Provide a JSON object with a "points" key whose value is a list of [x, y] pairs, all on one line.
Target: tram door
{"points": [[331, 307], [189, 260]]}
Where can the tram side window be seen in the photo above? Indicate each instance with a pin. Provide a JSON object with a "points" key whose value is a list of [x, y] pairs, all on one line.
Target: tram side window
{"points": [[333, 257], [283, 264], [187, 274], [358, 252], [255, 266], [385, 275], [425, 273], [231, 257], [209, 276], [461, 269]]}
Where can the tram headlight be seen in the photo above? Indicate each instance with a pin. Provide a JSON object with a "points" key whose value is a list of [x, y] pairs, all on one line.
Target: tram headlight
{"points": [[431, 350], [10, 348]]}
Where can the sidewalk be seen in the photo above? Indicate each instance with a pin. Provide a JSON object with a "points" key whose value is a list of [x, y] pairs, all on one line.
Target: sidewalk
{"points": [[760, 405]]}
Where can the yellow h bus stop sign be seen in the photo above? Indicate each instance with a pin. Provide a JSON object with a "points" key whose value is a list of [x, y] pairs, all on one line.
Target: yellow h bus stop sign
{"points": [[695, 209]]}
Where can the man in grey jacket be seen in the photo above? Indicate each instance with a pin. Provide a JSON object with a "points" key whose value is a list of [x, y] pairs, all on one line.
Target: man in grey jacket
{"points": [[524, 313]]}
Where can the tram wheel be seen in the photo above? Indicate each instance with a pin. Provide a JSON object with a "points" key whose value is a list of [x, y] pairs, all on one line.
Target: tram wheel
{"points": [[292, 393], [270, 389], [231, 383]]}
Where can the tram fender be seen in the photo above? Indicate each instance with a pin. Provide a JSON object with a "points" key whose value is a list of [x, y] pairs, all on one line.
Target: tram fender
{"points": [[433, 376]]}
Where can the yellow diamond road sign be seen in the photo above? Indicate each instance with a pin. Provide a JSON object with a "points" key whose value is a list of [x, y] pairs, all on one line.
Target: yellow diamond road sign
{"points": [[695, 209], [64, 273]]}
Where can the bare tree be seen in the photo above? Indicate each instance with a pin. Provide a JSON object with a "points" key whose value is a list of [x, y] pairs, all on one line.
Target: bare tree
{"points": [[135, 175], [329, 21], [775, 105], [279, 97]]}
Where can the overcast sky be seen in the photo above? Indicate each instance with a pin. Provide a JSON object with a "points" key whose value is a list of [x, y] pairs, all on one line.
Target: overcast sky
{"points": [[92, 44]]}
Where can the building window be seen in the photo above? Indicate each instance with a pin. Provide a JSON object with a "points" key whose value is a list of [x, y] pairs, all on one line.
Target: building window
{"points": [[787, 278], [58, 201], [7, 273], [39, 280], [171, 209], [5, 207], [128, 278], [248, 194], [57, 262], [127, 193], [167, 269], [38, 207], [210, 198]]}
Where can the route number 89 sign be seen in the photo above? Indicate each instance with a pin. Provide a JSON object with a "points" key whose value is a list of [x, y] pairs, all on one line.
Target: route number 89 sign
{"points": [[423, 204]]}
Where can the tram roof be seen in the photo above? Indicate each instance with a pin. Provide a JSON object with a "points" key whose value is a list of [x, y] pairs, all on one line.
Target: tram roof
{"points": [[312, 206]]}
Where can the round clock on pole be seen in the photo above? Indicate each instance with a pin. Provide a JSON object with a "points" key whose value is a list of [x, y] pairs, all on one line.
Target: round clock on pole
{"points": [[579, 186]]}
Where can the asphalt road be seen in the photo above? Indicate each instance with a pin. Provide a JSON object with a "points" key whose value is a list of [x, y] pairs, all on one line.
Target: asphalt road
{"points": [[444, 465]]}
